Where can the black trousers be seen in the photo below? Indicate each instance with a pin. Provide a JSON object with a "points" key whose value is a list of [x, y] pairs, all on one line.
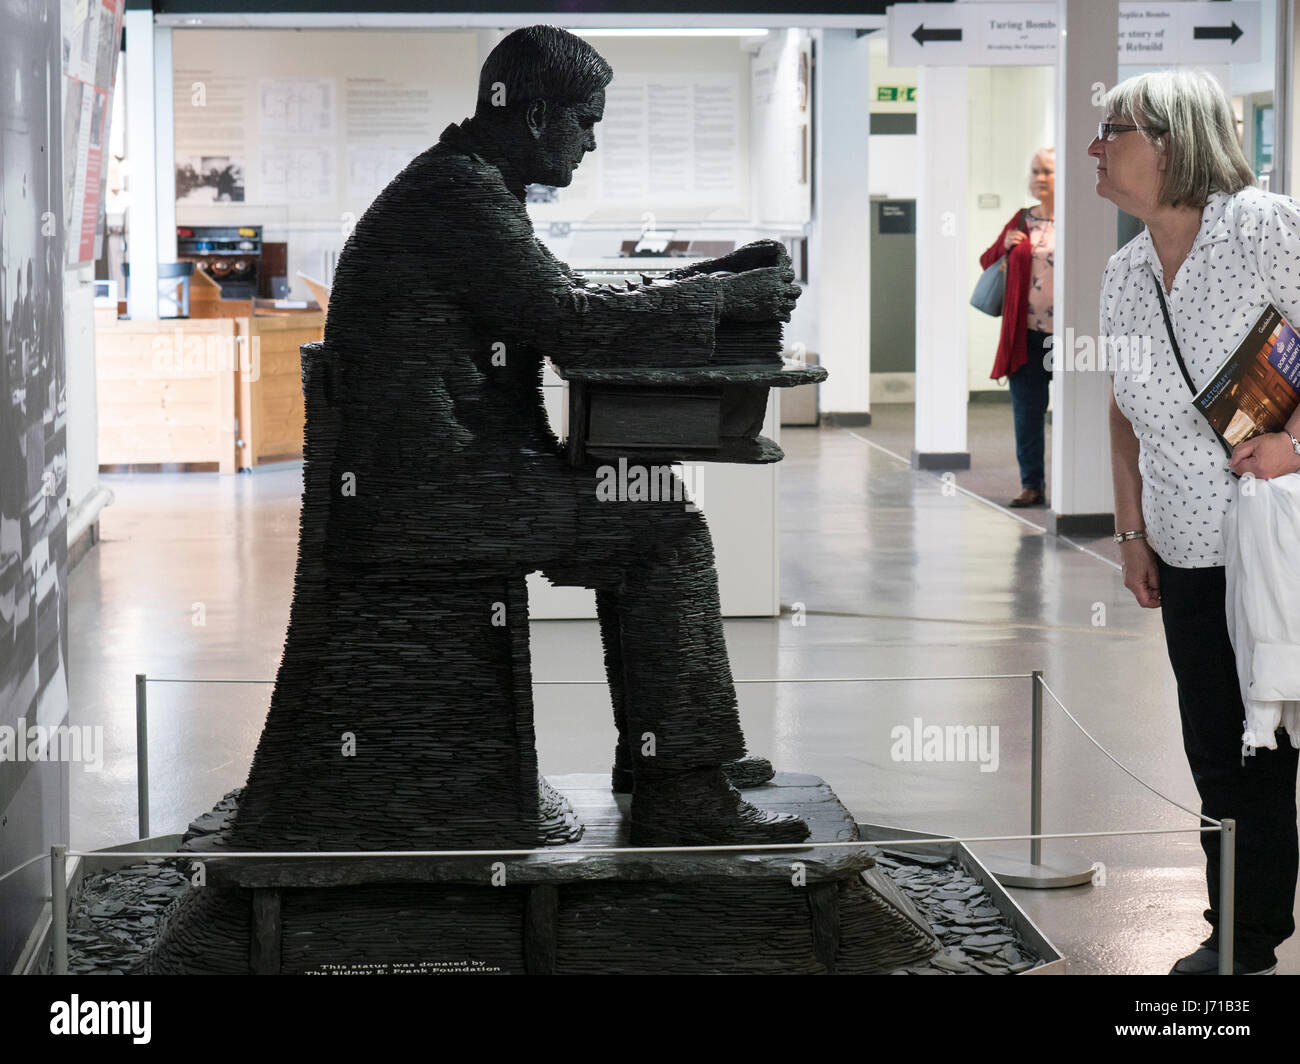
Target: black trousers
{"points": [[1259, 792]]}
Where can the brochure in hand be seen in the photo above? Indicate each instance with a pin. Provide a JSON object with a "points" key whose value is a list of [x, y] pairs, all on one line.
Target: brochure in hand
{"points": [[1257, 388]]}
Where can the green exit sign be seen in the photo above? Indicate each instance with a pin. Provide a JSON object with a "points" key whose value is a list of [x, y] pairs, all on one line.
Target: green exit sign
{"points": [[896, 93]]}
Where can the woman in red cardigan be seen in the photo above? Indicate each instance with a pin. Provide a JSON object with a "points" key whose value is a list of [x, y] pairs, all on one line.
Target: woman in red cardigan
{"points": [[1029, 243]]}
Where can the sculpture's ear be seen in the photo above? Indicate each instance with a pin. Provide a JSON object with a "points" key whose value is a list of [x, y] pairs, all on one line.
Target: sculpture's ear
{"points": [[536, 115]]}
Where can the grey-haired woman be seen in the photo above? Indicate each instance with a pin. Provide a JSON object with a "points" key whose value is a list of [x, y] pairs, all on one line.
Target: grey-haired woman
{"points": [[1215, 252]]}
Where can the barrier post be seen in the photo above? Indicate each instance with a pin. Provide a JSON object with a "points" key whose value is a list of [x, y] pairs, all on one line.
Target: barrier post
{"points": [[1036, 769], [142, 755], [1011, 869], [59, 908], [1227, 894]]}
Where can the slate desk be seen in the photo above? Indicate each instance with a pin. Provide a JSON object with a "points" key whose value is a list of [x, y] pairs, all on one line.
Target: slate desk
{"points": [[707, 413]]}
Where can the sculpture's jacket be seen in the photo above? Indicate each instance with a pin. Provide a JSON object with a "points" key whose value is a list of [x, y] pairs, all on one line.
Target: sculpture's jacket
{"points": [[443, 306]]}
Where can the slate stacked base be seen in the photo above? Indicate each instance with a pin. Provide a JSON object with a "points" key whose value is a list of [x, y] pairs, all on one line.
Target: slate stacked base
{"points": [[812, 911]]}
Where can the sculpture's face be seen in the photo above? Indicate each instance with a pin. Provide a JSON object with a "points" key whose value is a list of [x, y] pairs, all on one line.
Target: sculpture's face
{"points": [[568, 134]]}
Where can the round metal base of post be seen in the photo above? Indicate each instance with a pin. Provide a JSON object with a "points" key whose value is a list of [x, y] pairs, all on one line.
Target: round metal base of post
{"points": [[1016, 870]]}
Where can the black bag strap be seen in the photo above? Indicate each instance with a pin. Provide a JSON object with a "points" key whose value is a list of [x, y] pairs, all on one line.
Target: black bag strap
{"points": [[1169, 328]]}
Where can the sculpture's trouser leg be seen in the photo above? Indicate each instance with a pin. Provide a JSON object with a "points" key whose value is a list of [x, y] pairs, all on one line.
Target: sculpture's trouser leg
{"points": [[612, 641], [652, 566]]}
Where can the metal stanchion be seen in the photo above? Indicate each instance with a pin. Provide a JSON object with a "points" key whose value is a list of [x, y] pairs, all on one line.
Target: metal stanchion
{"points": [[1227, 894], [142, 754], [1036, 769], [59, 907], [1012, 870]]}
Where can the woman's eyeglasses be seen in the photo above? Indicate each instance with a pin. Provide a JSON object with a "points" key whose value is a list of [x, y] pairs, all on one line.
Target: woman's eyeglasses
{"points": [[1110, 130]]}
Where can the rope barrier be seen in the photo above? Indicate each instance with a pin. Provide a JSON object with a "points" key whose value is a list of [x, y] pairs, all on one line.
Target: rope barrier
{"points": [[1088, 735], [764, 847], [25, 864], [836, 679]]}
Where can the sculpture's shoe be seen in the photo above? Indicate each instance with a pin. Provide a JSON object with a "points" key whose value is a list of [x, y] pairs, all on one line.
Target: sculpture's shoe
{"points": [[748, 771], [744, 772], [698, 808]]}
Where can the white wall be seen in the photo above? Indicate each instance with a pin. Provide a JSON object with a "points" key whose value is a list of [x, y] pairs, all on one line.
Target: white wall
{"points": [[446, 64], [635, 58], [893, 157], [443, 64], [781, 128], [1254, 77], [594, 233], [841, 230]]}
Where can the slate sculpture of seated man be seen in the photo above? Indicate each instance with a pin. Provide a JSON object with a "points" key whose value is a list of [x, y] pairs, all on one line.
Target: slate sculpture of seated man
{"points": [[444, 305]]}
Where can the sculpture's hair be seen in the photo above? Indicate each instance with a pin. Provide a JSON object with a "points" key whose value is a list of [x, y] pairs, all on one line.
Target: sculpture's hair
{"points": [[539, 63], [1193, 124]]}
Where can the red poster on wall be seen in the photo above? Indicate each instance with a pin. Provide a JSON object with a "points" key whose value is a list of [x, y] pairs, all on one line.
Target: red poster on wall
{"points": [[92, 32]]}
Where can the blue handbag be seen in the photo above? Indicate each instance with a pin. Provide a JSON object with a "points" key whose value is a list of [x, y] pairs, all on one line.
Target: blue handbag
{"points": [[991, 289]]}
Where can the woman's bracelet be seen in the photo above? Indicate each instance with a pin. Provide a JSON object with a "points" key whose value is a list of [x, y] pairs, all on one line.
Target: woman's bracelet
{"points": [[1123, 537]]}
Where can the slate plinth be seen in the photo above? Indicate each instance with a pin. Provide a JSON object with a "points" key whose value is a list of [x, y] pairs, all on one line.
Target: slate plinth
{"points": [[559, 911], [604, 819]]}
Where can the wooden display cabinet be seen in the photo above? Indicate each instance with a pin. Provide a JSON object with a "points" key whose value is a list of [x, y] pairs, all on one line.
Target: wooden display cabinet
{"points": [[221, 388]]}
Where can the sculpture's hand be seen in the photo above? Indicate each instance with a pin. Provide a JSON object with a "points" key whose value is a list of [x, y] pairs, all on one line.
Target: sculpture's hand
{"points": [[753, 256], [766, 294]]}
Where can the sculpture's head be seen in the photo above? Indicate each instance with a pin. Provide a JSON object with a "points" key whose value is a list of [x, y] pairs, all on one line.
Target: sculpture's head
{"points": [[543, 90]]}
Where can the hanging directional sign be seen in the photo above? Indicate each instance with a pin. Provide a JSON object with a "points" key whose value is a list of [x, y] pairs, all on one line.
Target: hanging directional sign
{"points": [[1217, 33], [1149, 34], [972, 34], [921, 35], [1230, 32]]}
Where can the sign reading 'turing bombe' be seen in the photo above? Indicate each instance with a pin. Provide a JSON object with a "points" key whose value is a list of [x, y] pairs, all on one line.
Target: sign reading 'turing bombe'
{"points": [[1028, 34]]}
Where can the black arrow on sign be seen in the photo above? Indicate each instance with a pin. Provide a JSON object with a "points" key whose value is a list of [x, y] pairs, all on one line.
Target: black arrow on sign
{"points": [[920, 35], [1217, 33]]}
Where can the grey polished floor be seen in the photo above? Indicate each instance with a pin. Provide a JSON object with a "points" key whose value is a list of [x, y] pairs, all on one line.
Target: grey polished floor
{"points": [[884, 574]]}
